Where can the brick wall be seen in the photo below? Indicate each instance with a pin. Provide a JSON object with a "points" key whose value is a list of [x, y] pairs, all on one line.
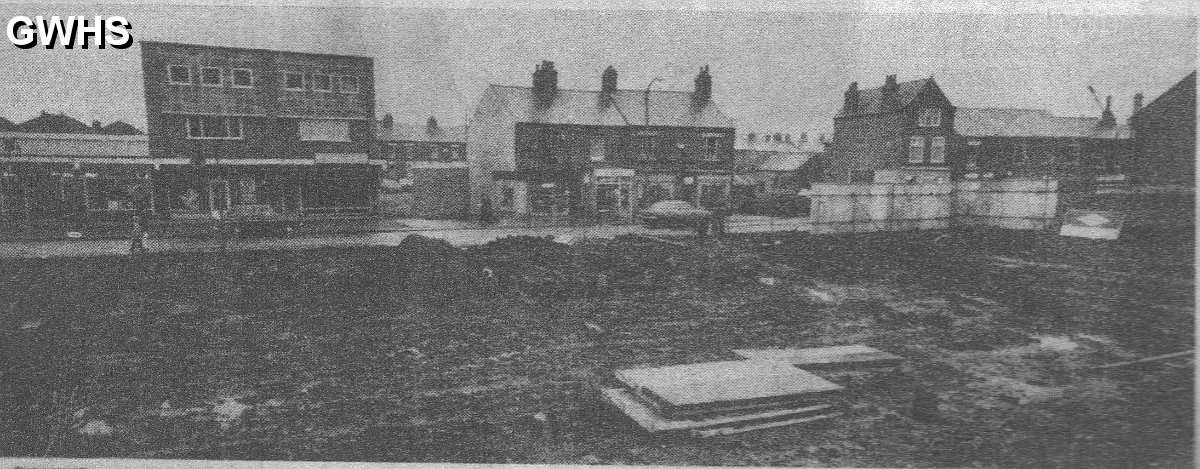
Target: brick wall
{"points": [[1165, 137]]}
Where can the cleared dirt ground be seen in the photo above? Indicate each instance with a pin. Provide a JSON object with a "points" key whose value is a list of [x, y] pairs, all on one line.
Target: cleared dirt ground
{"points": [[429, 353]]}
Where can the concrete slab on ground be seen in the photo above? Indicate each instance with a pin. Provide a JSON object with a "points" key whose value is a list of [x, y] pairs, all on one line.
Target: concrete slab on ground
{"points": [[717, 385], [649, 420]]}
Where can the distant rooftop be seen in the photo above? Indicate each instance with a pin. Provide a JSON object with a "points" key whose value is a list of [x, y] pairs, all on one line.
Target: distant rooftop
{"points": [[1004, 122], [627, 107], [870, 100]]}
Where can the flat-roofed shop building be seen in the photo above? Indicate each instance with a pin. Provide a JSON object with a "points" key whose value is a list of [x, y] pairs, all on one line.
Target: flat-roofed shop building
{"points": [[546, 153], [260, 131]]}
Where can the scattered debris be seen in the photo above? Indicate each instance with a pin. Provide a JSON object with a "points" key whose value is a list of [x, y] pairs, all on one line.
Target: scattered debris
{"points": [[228, 411], [768, 281], [1058, 344]]}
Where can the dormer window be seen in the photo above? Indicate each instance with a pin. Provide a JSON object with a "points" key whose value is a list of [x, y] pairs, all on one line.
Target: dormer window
{"points": [[930, 117]]}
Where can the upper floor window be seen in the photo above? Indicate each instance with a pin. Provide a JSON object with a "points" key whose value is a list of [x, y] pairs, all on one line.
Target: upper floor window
{"points": [[293, 81], [712, 147], [321, 83], [930, 117], [937, 150], [348, 85], [325, 130], [218, 127], [210, 76], [179, 74], [243, 78], [916, 149]]}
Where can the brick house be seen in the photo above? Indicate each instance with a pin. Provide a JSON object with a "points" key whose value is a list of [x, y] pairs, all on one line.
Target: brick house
{"points": [[546, 153], [260, 131], [999, 142], [429, 161], [898, 132], [1164, 136]]}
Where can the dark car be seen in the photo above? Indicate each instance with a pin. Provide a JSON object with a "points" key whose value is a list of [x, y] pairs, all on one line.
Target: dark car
{"points": [[673, 213]]}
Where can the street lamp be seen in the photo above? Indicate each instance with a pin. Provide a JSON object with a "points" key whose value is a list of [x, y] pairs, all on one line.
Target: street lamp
{"points": [[646, 98]]}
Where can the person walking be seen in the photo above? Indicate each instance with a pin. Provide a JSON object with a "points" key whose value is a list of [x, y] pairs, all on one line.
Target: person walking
{"points": [[138, 237]]}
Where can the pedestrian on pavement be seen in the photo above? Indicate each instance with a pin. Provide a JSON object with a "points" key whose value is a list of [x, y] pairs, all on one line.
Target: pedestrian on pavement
{"points": [[138, 237]]}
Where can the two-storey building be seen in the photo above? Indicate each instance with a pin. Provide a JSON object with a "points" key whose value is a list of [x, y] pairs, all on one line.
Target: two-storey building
{"points": [[561, 154], [429, 162], [261, 131], [899, 132]]}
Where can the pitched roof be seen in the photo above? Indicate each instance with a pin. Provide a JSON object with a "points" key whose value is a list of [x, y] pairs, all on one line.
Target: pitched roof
{"points": [[54, 123], [422, 133], [1002, 122], [870, 101], [80, 145], [580, 107], [7, 125], [1181, 86]]}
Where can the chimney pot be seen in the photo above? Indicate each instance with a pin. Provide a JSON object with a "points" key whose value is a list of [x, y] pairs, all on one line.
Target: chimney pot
{"points": [[1137, 102], [608, 80], [851, 101]]}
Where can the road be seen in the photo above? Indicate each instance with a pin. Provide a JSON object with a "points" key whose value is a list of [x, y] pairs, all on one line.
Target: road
{"points": [[456, 236]]}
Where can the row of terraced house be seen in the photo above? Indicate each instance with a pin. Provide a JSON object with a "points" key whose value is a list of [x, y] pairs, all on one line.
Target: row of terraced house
{"points": [[252, 132]]}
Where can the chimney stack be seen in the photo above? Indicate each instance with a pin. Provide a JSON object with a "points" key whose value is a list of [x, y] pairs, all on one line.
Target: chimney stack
{"points": [[750, 137], [96, 126], [803, 137], [1137, 103], [851, 102], [703, 93], [608, 80], [890, 93], [387, 121], [545, 81], [1106, 117]]}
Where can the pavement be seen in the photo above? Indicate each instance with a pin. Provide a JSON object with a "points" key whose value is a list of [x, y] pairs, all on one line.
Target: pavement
{"points": [[455, 232]]}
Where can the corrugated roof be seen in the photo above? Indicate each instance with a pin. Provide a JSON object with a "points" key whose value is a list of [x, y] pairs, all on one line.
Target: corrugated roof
{"points": [[1002, 122], [580, 107], [423, 133], [870, 101], [79, 145]]}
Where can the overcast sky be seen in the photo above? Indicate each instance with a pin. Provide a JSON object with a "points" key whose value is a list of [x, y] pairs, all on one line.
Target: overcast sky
{"points": [[772, 71]]}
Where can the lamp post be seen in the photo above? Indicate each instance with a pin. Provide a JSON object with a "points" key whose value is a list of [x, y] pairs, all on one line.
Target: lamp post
{"points": [[646, 98]]}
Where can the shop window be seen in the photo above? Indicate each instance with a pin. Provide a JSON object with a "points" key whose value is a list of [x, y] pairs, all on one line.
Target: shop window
{"points": [[113, 194], [937, 150], [243, 78], [507, 197], [325, 130], [210, 76], [293, 81], [187, 199], [214, 127], [916, 149], [179, 75]]}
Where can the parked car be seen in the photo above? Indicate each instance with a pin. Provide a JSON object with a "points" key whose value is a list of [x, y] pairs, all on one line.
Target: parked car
{"points": [[666, 213]]}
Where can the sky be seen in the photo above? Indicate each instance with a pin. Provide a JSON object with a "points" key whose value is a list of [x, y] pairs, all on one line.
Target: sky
{"points": [[773, 71]]}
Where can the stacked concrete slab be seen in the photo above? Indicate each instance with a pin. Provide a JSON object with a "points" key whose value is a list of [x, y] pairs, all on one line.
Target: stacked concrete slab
{"points": [[719, 398]]}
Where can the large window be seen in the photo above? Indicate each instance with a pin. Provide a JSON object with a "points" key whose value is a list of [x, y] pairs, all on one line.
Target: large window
{"points": [[243, 78], [210, 76], [930, 117], [217, 127], [325, 130], [179, 75], [293, 81], [937, 150], [916, 149]]}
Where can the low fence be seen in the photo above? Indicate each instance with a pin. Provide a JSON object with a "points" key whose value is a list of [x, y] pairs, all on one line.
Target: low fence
{"points": [[1012, 204]]}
